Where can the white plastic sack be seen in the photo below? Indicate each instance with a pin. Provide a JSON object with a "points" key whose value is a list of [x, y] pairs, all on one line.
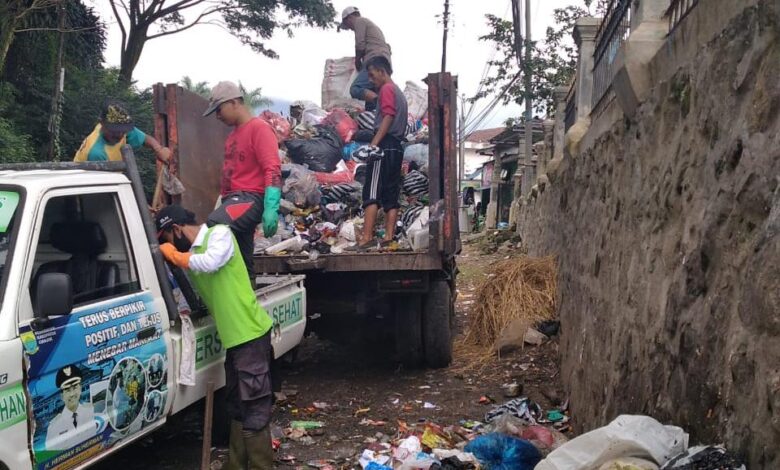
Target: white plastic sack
{"points": [[416, 99], [313, 116], [418, 232], [417, 153], [336, 81], [626, 436]]}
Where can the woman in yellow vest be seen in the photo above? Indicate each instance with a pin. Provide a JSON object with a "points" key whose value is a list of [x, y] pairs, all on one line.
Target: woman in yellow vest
{"points": [[114, 130]]}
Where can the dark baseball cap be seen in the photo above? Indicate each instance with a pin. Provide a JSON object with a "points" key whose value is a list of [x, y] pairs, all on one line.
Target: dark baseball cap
{"points": [[172, 215]]}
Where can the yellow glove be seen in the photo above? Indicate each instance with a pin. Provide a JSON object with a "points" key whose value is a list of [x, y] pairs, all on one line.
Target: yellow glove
{"points": [[175, 257]]}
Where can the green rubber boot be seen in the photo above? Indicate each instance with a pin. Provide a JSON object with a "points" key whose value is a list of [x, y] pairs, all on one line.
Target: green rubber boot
{"points": [[260, 452], [237, 456]]}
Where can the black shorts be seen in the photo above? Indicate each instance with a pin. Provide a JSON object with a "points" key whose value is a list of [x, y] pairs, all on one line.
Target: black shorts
{"points": [[383, 177], [248, 382]]}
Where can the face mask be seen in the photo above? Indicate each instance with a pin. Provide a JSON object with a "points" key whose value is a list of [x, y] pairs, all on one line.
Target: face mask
{"points": [[181, 243]]}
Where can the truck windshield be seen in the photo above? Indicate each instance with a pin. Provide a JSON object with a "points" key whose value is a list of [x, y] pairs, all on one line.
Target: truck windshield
{"points": [[9, 213]]}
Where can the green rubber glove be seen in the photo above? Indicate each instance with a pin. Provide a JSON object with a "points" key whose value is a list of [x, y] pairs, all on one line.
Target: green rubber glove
{"points": [[273, 196]]}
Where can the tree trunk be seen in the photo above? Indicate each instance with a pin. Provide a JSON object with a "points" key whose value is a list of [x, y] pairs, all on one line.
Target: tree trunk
{"points": [[136, 41], [6, 38]]}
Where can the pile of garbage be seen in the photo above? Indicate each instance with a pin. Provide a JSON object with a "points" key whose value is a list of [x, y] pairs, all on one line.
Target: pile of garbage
{"points": [[519, 435], [323, 176]]}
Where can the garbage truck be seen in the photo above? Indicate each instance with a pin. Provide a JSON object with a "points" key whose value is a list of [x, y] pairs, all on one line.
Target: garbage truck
{"points": [[97, 349], [408, 294]]}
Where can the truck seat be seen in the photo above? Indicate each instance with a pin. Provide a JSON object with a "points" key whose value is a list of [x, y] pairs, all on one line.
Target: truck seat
{"points": [[84, 241]]}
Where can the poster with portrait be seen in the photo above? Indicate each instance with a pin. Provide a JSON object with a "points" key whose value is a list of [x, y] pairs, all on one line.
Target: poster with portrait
{"points": [[96, 377]]}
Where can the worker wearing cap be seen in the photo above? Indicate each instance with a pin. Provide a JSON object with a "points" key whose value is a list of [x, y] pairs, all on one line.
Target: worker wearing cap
{"points": [[369, 43], [251, 171], [115, 130], [76, 422], [217, 272]]}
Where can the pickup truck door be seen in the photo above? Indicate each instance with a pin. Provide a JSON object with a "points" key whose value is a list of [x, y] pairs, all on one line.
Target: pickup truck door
{"points": [[97, 375]]}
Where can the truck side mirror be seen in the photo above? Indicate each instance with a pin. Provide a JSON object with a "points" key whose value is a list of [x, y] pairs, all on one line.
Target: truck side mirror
{"points": [[53, 295]]}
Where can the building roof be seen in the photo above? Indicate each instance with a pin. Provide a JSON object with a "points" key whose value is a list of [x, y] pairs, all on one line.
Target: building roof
{"points": [[484, 136]]}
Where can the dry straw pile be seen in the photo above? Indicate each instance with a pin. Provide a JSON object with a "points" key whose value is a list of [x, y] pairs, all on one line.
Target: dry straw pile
{"points": [[517, 288]]}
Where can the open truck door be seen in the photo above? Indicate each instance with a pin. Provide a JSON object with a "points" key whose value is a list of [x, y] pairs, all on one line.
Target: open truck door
{"points": [[95, 330]]}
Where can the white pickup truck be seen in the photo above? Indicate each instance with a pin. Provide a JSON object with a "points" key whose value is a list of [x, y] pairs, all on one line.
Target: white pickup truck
{"points": [[92, 343]]}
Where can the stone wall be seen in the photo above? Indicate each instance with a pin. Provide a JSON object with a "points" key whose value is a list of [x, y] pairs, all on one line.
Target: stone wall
{"points": [[667, 232]]}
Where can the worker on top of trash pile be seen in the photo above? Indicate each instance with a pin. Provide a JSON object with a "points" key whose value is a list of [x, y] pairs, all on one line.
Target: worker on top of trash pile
{"points": [[251, 187], [115, 130], [384, 156], [217, 273], [369, 43]]}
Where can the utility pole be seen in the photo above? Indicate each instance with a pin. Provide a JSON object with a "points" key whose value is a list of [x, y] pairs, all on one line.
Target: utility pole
{"points": [[526, 184], [446, 18], [462, 143], [56, 101]]}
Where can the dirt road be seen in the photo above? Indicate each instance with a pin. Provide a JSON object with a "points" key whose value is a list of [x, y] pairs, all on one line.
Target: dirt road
{"points": [[360, 394]]}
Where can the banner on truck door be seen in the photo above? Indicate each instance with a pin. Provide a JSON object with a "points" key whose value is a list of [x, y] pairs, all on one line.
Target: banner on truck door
{"points": [[95, 378]]}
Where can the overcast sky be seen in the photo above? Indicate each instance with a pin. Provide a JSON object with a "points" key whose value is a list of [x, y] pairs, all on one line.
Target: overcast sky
{"points": [[411, 27]]}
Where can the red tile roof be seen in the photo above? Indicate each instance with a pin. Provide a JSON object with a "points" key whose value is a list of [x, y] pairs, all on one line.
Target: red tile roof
{"points": [[485, 135]]}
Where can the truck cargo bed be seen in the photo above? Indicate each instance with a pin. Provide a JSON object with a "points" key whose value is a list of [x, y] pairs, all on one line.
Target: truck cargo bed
{"points": [[396, 261]]}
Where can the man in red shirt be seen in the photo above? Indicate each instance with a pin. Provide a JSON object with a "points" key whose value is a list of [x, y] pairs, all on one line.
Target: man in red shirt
{"points": [[384, 155], [251, 172]]}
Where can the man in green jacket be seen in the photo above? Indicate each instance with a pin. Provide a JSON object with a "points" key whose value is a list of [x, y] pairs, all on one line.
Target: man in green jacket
{"points": [[218, 273]]}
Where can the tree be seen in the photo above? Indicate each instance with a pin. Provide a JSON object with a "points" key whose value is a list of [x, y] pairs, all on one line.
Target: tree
{"points": [[13, 13], [254, 98], [200, 88], [553, 60], [251, 21]]}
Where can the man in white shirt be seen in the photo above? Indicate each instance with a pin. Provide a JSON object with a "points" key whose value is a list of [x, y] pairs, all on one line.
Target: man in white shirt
{"points": [[76, 422]]}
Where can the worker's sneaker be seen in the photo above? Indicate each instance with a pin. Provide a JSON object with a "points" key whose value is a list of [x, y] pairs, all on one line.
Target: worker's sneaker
{"points": [[389, 245], [362, 248]]}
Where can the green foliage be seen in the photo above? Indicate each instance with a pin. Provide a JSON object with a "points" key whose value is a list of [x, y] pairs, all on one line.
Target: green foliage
{"points": [[200, 88], [253, 22], [253, 98], [552, 64], [30, 71], [15, 146]]}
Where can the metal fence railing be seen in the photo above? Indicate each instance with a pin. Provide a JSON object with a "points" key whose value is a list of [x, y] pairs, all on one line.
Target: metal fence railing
{"points": [[678, 10], [612, 33], [570, 115]]}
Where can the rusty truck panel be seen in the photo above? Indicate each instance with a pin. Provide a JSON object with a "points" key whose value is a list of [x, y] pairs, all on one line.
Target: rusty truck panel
{"points": [[197, 144]]}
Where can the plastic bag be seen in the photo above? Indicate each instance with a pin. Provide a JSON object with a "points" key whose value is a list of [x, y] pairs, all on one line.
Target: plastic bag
{"points": [[417, 153], [336, 81], [301, 187], [418, 233], [320, 154], [415, 184], [629, 463], [366, 120], [416, 99], [705, 458], [347, 150], [635, 436], [313, 116], [363, 136], [502, 452], [345, 173], [279, 124], [344, 125], [305, 131]]}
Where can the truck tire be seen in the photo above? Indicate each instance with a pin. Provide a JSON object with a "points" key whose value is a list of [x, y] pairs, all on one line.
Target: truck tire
{"points": [[408, 329], [220, 426], [437, 325]]}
